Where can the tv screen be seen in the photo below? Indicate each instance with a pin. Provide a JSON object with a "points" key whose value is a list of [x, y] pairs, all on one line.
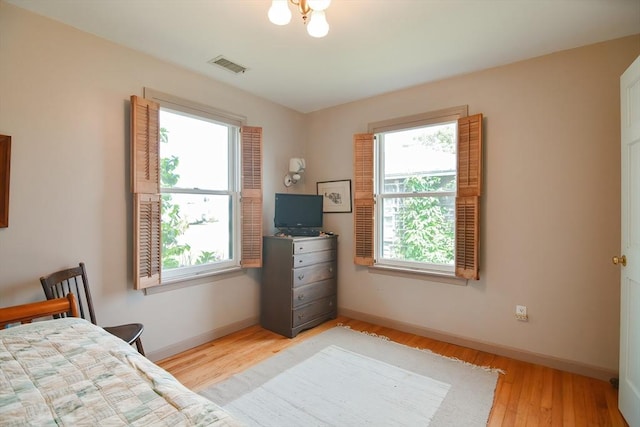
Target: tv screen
{"points": [[298, 210]]}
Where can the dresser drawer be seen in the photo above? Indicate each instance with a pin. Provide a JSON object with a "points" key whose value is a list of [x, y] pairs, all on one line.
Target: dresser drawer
{"points": [[308, 312], [313, 245], [306, 294], [313, 273], [304, 259]]}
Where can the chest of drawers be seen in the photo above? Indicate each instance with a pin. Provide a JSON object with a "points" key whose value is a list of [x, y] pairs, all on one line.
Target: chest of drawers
{"points": [[299, 283]]}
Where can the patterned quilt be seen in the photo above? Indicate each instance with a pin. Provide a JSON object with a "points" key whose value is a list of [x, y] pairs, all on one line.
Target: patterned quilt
{"points": [[70, 372]]}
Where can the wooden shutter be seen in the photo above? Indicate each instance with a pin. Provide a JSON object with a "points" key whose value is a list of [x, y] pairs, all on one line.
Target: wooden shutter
{"points": [[145, 185], [364, 205], [468, 198], [467, 237], [5, 175], [469, 156], [147, 264], [145, 148], [251, 197]]}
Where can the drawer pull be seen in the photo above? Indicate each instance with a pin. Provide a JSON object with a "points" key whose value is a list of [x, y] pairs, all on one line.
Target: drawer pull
{"points": [[300, 276], [301, 297], [300, 316]]}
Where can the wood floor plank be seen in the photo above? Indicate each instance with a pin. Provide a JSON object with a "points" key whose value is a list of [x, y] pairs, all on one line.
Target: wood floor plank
{"points": [[534, 404], [546, 398], [615, 417], [583, 418], [500, 404], [517, 373], [522, 404], [569, 410], [526, 394], [557, 407]]}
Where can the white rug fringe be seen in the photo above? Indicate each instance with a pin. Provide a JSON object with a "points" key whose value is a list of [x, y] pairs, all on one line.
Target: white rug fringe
{"points": [[455, 359]]}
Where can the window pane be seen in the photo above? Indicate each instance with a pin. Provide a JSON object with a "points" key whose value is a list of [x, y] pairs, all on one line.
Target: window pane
{"points": [[195, 229], [194, 153], [419, 229], [427, 154]]}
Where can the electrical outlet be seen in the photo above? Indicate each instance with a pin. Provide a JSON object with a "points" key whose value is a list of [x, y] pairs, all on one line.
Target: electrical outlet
{"points": [[521, 313]]}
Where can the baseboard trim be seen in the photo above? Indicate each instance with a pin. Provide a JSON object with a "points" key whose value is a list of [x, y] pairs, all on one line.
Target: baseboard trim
{"points": [[192, 342], [513, 353]]}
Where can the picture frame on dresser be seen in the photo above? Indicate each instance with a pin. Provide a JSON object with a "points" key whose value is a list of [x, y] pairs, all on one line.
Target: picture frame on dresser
{"points": [[5, 169], [336, 195]]}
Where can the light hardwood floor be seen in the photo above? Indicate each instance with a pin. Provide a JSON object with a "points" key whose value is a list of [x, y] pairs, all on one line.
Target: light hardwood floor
{"points": [[526, 395]]}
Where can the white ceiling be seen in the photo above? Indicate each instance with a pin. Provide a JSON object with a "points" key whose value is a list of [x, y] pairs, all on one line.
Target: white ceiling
{"points": [[373, 47]]}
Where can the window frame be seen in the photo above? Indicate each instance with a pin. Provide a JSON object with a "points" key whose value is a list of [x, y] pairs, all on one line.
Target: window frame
{"points": [[233, 190], [145, 186], [447, 116], [468, 191]]}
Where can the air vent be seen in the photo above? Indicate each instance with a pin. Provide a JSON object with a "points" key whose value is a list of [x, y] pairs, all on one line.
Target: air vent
{"points": [[223, 62]]}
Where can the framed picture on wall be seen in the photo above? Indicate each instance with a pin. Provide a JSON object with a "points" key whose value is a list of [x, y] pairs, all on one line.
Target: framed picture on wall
{"points": [[5, 162], [336, 195]]}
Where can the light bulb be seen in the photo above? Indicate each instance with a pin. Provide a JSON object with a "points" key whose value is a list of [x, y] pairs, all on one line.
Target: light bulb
{"points": [[319, 4], [279, 12], [318, 25]]}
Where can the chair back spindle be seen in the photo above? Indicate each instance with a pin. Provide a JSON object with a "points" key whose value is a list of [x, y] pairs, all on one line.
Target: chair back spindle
{"points": [[71, 280]]}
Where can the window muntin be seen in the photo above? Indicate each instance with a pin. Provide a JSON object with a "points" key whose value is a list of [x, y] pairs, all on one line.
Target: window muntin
{"points": [[415, 191], [198, 183]]}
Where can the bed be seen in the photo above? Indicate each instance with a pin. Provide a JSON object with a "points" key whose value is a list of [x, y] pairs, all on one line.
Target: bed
{"points": [[70, 372]]}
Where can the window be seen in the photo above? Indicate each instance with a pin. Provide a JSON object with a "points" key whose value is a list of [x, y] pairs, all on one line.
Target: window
{"points": [[199, 193], [417, 193], [196, 177], [416, 187]]}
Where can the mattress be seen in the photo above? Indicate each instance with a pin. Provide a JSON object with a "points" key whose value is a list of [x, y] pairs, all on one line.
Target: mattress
{"points": [[70, 372]]}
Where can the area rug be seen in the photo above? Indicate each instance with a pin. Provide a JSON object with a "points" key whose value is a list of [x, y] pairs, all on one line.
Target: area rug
{"points": [[347, 378]]}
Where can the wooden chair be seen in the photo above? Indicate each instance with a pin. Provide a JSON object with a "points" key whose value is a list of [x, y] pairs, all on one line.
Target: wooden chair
{"points": [[25, 313], [74, 280]]}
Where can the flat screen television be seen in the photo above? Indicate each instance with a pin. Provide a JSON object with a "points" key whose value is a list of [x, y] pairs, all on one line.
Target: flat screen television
{"points": [[298, 211]]}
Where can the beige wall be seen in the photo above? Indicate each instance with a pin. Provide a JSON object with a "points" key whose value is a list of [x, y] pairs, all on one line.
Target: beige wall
{"points": [[550, 209], [64, 99]]}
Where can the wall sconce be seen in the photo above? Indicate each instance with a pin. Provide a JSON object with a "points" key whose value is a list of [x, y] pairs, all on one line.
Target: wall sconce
{"points": [[296, 168]]}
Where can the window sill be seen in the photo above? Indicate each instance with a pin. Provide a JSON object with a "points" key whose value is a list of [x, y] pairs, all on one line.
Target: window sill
{"points": [[432, 276], [186, 281]]}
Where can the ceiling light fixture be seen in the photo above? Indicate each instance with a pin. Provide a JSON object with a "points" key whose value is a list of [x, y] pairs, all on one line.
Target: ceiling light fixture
{"points": [[312, 11]]}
